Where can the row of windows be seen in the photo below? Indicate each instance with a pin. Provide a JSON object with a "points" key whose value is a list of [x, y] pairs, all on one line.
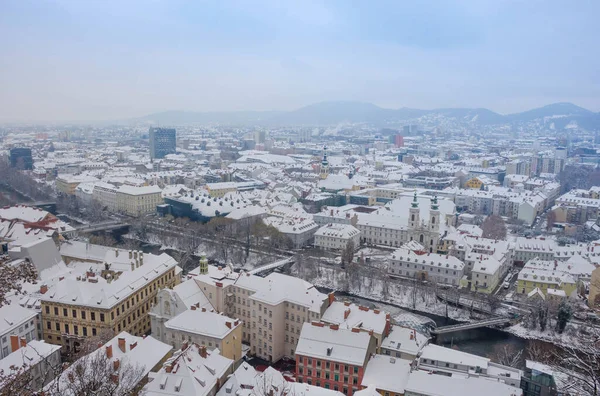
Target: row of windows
{"points": [[67, 329], [327, 365]]}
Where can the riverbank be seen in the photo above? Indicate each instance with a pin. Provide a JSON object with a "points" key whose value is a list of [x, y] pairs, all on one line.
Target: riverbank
{"points": [[375, 291]]}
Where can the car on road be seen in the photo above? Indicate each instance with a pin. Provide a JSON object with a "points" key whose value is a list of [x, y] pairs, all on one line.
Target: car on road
{"points": [[506, 285]]}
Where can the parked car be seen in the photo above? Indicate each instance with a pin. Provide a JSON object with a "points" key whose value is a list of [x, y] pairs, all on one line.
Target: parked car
{"points": [[506, 285]]}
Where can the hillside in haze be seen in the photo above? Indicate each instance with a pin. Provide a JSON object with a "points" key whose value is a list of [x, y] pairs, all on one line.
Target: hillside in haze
{"points": [[336, 112]]}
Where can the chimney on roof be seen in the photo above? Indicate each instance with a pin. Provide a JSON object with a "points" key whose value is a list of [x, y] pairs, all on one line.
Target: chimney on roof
{"points": [[132, 265], [318, 324], [116, 364], [202, 351], [131, 346], [23, 342], [346, 313], [184, 345], [141, 256], [114, 378], [135, 254], [331, 298], [334, 327], [116, 252], [109, 353], [43, 289], [228, 324], [347, 303], [193, 308], [203, 309], [14, 343], [130, 254], [121, 341], [355, 330], [376, 311]]}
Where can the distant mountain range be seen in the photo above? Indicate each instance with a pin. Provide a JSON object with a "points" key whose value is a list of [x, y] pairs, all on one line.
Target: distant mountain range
{"points": [[563, 115]]}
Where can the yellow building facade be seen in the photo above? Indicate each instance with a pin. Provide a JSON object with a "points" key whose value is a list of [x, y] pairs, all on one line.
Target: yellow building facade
{"points": [[67, 318]]}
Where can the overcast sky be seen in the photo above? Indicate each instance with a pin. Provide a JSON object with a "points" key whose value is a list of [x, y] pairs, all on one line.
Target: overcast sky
{"points": [[103, 59]]}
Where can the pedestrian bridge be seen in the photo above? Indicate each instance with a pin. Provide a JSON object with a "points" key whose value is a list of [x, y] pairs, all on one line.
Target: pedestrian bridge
{"points": [[272, 266], [104, 226], [471, 325]]}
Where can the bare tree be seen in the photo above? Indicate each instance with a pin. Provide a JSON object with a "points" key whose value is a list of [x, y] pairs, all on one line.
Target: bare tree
{"points": [[494, 228], [581, 364], [508, 355], [97, 374], [103, 239], [348, 253], [13, 277]]}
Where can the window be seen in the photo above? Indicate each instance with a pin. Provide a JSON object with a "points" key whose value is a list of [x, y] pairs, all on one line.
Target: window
{"points": [[47, 309], [74, 313], [49, 325], [85, 331], [65, 312], [101, 317], [76, 330], [57, 326], [82, 314], [93, 315], [67, 328], [56, 311]]}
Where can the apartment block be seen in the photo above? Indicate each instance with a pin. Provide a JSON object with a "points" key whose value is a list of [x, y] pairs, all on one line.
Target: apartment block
{"points": [[333, 358], [114, 297], [208, 329], [272, 309]]}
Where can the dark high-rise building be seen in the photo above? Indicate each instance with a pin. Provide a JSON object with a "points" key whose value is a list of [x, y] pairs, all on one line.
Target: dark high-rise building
{"points": [[162, 142], [20, 158]]}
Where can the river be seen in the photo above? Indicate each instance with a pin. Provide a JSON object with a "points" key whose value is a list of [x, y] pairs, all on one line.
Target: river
{"points": [[483, 341]]}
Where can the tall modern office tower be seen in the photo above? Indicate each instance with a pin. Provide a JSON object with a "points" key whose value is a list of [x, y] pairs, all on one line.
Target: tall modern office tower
{"points": [[162, 142], [20, 158]]}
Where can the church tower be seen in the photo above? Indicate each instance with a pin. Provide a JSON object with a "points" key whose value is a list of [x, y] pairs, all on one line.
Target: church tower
{"points": [[324, 164], [413, 220], [434, 215], [203, 264]]}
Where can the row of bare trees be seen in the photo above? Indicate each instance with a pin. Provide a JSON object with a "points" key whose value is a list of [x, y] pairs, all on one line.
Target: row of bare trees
{"points": [[23, 183]]}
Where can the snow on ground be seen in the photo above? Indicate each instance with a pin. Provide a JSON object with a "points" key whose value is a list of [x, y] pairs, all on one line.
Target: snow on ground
{"points": [[373, 288]]}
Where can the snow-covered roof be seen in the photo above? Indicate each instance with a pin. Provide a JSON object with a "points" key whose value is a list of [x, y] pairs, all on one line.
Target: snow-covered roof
{"points": [[349, 316], [442, 354], [323, 342], [140, 353], [95, 291], [387, 373], [403, 339], [13, 315], [209, 324], [429, 384], [193, 371], [28, 356], [435, 259], [343, 231]]}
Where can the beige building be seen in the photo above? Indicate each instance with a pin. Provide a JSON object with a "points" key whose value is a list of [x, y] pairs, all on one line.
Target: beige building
{"points": [[115, 296], [137, 201], [272, 309], [106, 194], [66, 183], [209, 329], [337, 237]]}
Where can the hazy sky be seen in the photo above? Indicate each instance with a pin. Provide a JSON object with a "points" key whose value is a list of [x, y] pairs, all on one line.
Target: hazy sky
{"points": [[102, 59]]}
